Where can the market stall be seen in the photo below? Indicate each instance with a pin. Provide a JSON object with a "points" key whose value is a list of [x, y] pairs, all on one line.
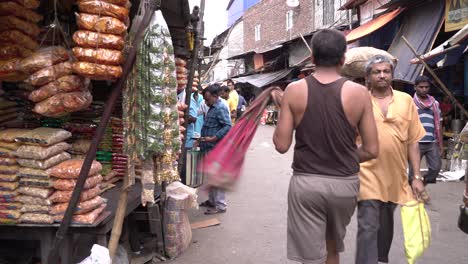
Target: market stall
{"points": [[89, 129]]}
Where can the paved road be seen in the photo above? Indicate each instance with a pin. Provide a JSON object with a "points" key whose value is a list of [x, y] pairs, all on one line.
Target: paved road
{"points": [[254, 228]]}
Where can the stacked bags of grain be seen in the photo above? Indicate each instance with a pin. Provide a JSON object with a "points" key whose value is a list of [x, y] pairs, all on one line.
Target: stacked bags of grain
{"points": [[90, 205], [10, 210], [41, 149], [100, 40], [59, 91], [18, 36]]}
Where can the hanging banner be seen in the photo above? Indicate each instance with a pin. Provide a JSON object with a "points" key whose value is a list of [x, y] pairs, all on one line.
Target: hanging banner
{"points": [[456, 14]]}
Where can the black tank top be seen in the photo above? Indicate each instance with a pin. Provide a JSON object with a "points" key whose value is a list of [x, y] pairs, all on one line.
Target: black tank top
{"points": [[325, 140]]}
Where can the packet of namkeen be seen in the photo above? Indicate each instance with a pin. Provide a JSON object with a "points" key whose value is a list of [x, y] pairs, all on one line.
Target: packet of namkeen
{"points": [[64, 84], [124, 3], [103, 24], [43, 58], [104, 9], [97, 71], [15, 9], [50, 74], [9, 66], [17, 37], [29, 4], [89, 39], [63, 103], [9, 51], [99, 56], [12, 22], [71, 169]]}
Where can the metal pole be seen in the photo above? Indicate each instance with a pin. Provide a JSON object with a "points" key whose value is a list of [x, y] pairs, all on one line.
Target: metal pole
{"points": [[436, 78], [91, 154], [188, 88]]}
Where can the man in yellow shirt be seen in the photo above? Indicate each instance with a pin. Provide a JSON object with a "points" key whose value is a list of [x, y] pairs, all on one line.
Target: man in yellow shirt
{"points": [[233, 100], [384, 181]]}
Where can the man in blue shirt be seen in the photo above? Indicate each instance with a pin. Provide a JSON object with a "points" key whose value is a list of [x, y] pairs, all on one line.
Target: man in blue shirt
{"points": [[216, 125], [195, 119], [431, 144]]}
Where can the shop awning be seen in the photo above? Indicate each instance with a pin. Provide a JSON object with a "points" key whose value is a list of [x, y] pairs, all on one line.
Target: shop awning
{"points": [[263, 79], [420, 26], [456, 44], [372, 25]]}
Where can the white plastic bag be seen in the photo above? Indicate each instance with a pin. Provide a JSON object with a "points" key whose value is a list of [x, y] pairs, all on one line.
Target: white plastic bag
{"points": [[99, 255]]}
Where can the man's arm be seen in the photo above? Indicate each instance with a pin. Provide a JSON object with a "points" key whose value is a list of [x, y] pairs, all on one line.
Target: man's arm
{"points": [[282, 137], [415, 161], [369, 149], [225, 120]]}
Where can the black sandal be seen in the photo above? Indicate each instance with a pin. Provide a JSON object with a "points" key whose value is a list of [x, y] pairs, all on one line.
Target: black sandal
{"points": [[206, 203]]}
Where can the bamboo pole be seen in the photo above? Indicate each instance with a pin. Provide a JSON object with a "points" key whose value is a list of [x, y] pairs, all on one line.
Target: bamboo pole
{"points": [[119, 218], [436, 78]]}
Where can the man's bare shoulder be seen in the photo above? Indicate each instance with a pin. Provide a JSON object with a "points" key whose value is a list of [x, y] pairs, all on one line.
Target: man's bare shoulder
{"points": [[355, 91], [296, 87]]}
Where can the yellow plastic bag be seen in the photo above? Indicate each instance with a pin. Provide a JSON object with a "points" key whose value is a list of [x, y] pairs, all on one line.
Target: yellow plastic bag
{"points": [[416, 230]]}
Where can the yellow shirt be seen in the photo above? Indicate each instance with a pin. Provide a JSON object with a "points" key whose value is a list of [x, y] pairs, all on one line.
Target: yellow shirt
{"points": [[385, 178], [233, 101]]}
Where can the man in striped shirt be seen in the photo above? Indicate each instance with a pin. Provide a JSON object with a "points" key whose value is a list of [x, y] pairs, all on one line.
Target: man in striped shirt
{"points": [[430, 115]]}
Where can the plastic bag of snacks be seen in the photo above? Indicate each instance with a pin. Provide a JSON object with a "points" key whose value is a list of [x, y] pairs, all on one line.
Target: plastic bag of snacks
{"points": [[18, 37], [89, 39], [65, 196], [81, 146], [8, 194], [64, 103], [8, 153], [10, 214], [44, 136], [97, 71], [41, 153], [70, 169], [9, 135], [84, 219], [50, 74], [12, 22], [8, 177], [32, 173], [69, 185], [103, 9], [34, 208], [44, 58], [99, 56], [35, 218], [44, 164], [9, 169], [99, 23], [26, 199], [33, 182], [10, 206], [29, 4], [64, 84], [81, 208], [9, 145], [35, 191], [13, 51], [12, 8]]}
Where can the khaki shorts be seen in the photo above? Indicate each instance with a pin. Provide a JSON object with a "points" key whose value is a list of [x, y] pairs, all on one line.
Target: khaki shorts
{"points": [[319, 209]]}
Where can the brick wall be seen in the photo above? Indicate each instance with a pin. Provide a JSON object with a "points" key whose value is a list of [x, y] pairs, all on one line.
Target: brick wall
{"points": [[271, 15]]}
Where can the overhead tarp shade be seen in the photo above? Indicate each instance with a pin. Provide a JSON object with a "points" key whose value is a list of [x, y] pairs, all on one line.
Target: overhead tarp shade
{"points": [[263, 79], [298, 53], [372, 25], [460, 39], [351, 4], [420, 26]]}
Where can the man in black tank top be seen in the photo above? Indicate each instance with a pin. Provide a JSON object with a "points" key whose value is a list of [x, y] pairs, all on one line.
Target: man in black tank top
{"points": [[326, 111]]}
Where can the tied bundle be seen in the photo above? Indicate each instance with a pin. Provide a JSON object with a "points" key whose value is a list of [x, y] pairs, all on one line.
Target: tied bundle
{"points": [[222, 166]]}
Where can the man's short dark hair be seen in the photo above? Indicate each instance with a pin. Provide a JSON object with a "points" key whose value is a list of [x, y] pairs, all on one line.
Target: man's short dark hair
{"points": [[328, 47], [421, 79], [224, 88], [213, 89], [229, 81]]}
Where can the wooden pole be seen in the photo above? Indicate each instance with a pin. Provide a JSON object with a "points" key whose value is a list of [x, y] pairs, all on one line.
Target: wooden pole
{"points": [[436, 78], [119, 219]]}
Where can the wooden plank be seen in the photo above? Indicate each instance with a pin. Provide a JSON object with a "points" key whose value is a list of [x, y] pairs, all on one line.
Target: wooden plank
{"points": [[205, 223]]}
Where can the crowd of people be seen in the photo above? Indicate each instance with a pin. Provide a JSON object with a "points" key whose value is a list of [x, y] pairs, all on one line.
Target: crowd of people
{"points": [[333, 174], [213, 111]]}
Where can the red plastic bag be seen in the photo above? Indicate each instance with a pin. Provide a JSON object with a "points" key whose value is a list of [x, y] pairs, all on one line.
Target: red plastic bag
{"points": [[70, 169], [65, 196]]}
